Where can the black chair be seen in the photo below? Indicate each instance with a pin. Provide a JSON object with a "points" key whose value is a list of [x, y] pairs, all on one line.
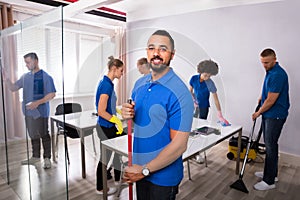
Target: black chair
{"points": [[62, 129]]}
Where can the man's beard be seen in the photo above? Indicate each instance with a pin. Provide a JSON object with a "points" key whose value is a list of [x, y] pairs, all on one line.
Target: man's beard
{"points": [[31, 69], [160, 67]]}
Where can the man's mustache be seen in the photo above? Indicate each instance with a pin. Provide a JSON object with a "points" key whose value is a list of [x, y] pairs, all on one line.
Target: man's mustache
{"points": [[156, 57]]}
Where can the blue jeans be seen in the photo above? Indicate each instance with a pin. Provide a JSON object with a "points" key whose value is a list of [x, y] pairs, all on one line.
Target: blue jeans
{"points": [[271, 130], [146, 190]]}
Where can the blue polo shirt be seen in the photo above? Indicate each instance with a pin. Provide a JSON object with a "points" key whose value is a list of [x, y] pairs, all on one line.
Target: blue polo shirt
{"points": [[106, 86], [36, 86], [202, 90], [276, 81], [160, 106]]}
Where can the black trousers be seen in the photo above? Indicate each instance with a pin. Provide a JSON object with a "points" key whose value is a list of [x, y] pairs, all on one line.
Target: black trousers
{"points": [[104, 134], [146, 190], [201, 113]]}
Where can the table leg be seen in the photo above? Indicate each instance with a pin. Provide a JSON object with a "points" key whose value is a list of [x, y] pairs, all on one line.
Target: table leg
{"points": [[237, 169], [104, 172], [189, 170], [52, 139], [82, 155]]}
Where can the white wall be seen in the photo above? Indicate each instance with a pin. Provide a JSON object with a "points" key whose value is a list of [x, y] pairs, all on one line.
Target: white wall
{"points": [[233, 37], [87, 102]]}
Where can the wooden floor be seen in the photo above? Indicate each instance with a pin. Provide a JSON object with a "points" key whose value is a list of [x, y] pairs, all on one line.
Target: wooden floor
{"points": [[208, 183]]}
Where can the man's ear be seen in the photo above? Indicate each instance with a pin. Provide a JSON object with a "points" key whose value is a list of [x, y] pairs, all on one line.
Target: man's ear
{"points": [[172, 54]]}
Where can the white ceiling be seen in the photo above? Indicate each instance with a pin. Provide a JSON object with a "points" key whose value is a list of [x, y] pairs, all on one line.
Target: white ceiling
{"points": [[142, 9], [147, 9]]}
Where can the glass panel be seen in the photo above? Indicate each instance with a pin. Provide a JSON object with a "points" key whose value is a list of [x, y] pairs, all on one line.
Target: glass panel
{"points": [[74, 52], [30, 82], [87, 48]]}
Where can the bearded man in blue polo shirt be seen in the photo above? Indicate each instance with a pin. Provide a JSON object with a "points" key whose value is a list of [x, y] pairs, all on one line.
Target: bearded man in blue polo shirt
{"points": [[162, 111], [274, 110]]}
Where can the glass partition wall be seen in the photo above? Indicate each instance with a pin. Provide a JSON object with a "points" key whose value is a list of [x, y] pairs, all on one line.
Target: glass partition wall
{"points": [[26, 157], [74, 53]]}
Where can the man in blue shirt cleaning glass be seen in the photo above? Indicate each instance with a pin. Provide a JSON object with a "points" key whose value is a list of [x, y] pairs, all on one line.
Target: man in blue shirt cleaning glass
{"points": [[38, 90]]}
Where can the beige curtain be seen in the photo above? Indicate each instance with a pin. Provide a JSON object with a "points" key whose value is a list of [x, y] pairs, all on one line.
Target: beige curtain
{"points": [[13, 113], [14, 116], [120, 42], [6, 16]]}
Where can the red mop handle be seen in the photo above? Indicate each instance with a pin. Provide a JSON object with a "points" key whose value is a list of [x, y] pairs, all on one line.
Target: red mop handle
{"points": [[129, 143], [129, 127]]}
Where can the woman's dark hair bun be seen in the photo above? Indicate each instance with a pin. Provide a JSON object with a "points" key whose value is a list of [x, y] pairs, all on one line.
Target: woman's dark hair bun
{"points": [[114, 62]]}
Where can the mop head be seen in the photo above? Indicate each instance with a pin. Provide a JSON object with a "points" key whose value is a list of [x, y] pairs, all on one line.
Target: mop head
{"points": [[239, 185]]}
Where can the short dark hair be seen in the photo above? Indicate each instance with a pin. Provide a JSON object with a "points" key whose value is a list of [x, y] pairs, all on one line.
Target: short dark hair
{"points": [[32, 55], [114, 62], [167, 34], [208, 66], [268, 52]]}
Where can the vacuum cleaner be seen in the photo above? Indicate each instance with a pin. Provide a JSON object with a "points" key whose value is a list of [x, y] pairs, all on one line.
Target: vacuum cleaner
{"points": [[255, 146], [239, 184], [233, 149]]}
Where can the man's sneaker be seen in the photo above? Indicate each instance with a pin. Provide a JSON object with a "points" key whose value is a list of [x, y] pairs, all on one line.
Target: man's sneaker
{"points": [[263, 186], [30, 161], [261, 175], [111, 190], [47, 163]]}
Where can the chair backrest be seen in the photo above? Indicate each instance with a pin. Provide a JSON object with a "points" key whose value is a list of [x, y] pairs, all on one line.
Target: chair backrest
{"points": [[68, 108]]}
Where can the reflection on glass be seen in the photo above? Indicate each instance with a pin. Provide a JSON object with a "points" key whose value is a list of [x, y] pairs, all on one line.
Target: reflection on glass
{"points": [[74, 56], [28, 96]]}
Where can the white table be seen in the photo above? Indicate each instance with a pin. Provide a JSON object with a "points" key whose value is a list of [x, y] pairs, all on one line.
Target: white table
{"points": [[195, 145], [81, 121]]}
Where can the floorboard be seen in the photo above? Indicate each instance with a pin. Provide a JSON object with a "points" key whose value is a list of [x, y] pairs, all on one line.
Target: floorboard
{"points": [[208, 183]]}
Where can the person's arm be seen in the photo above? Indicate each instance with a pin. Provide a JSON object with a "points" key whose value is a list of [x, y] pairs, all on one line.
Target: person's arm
{"points": [[168, 155], [223, 121], [192, 91], [11, 86], [268, 103], [217, 102], [102, 105], [193, 95], [172, 151], [36, 103]]}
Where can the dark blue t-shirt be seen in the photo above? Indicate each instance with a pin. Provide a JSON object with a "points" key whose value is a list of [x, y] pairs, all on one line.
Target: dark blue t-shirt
{"points": [[106, 86], [202, 90], [36, 86], [276, 81]]}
